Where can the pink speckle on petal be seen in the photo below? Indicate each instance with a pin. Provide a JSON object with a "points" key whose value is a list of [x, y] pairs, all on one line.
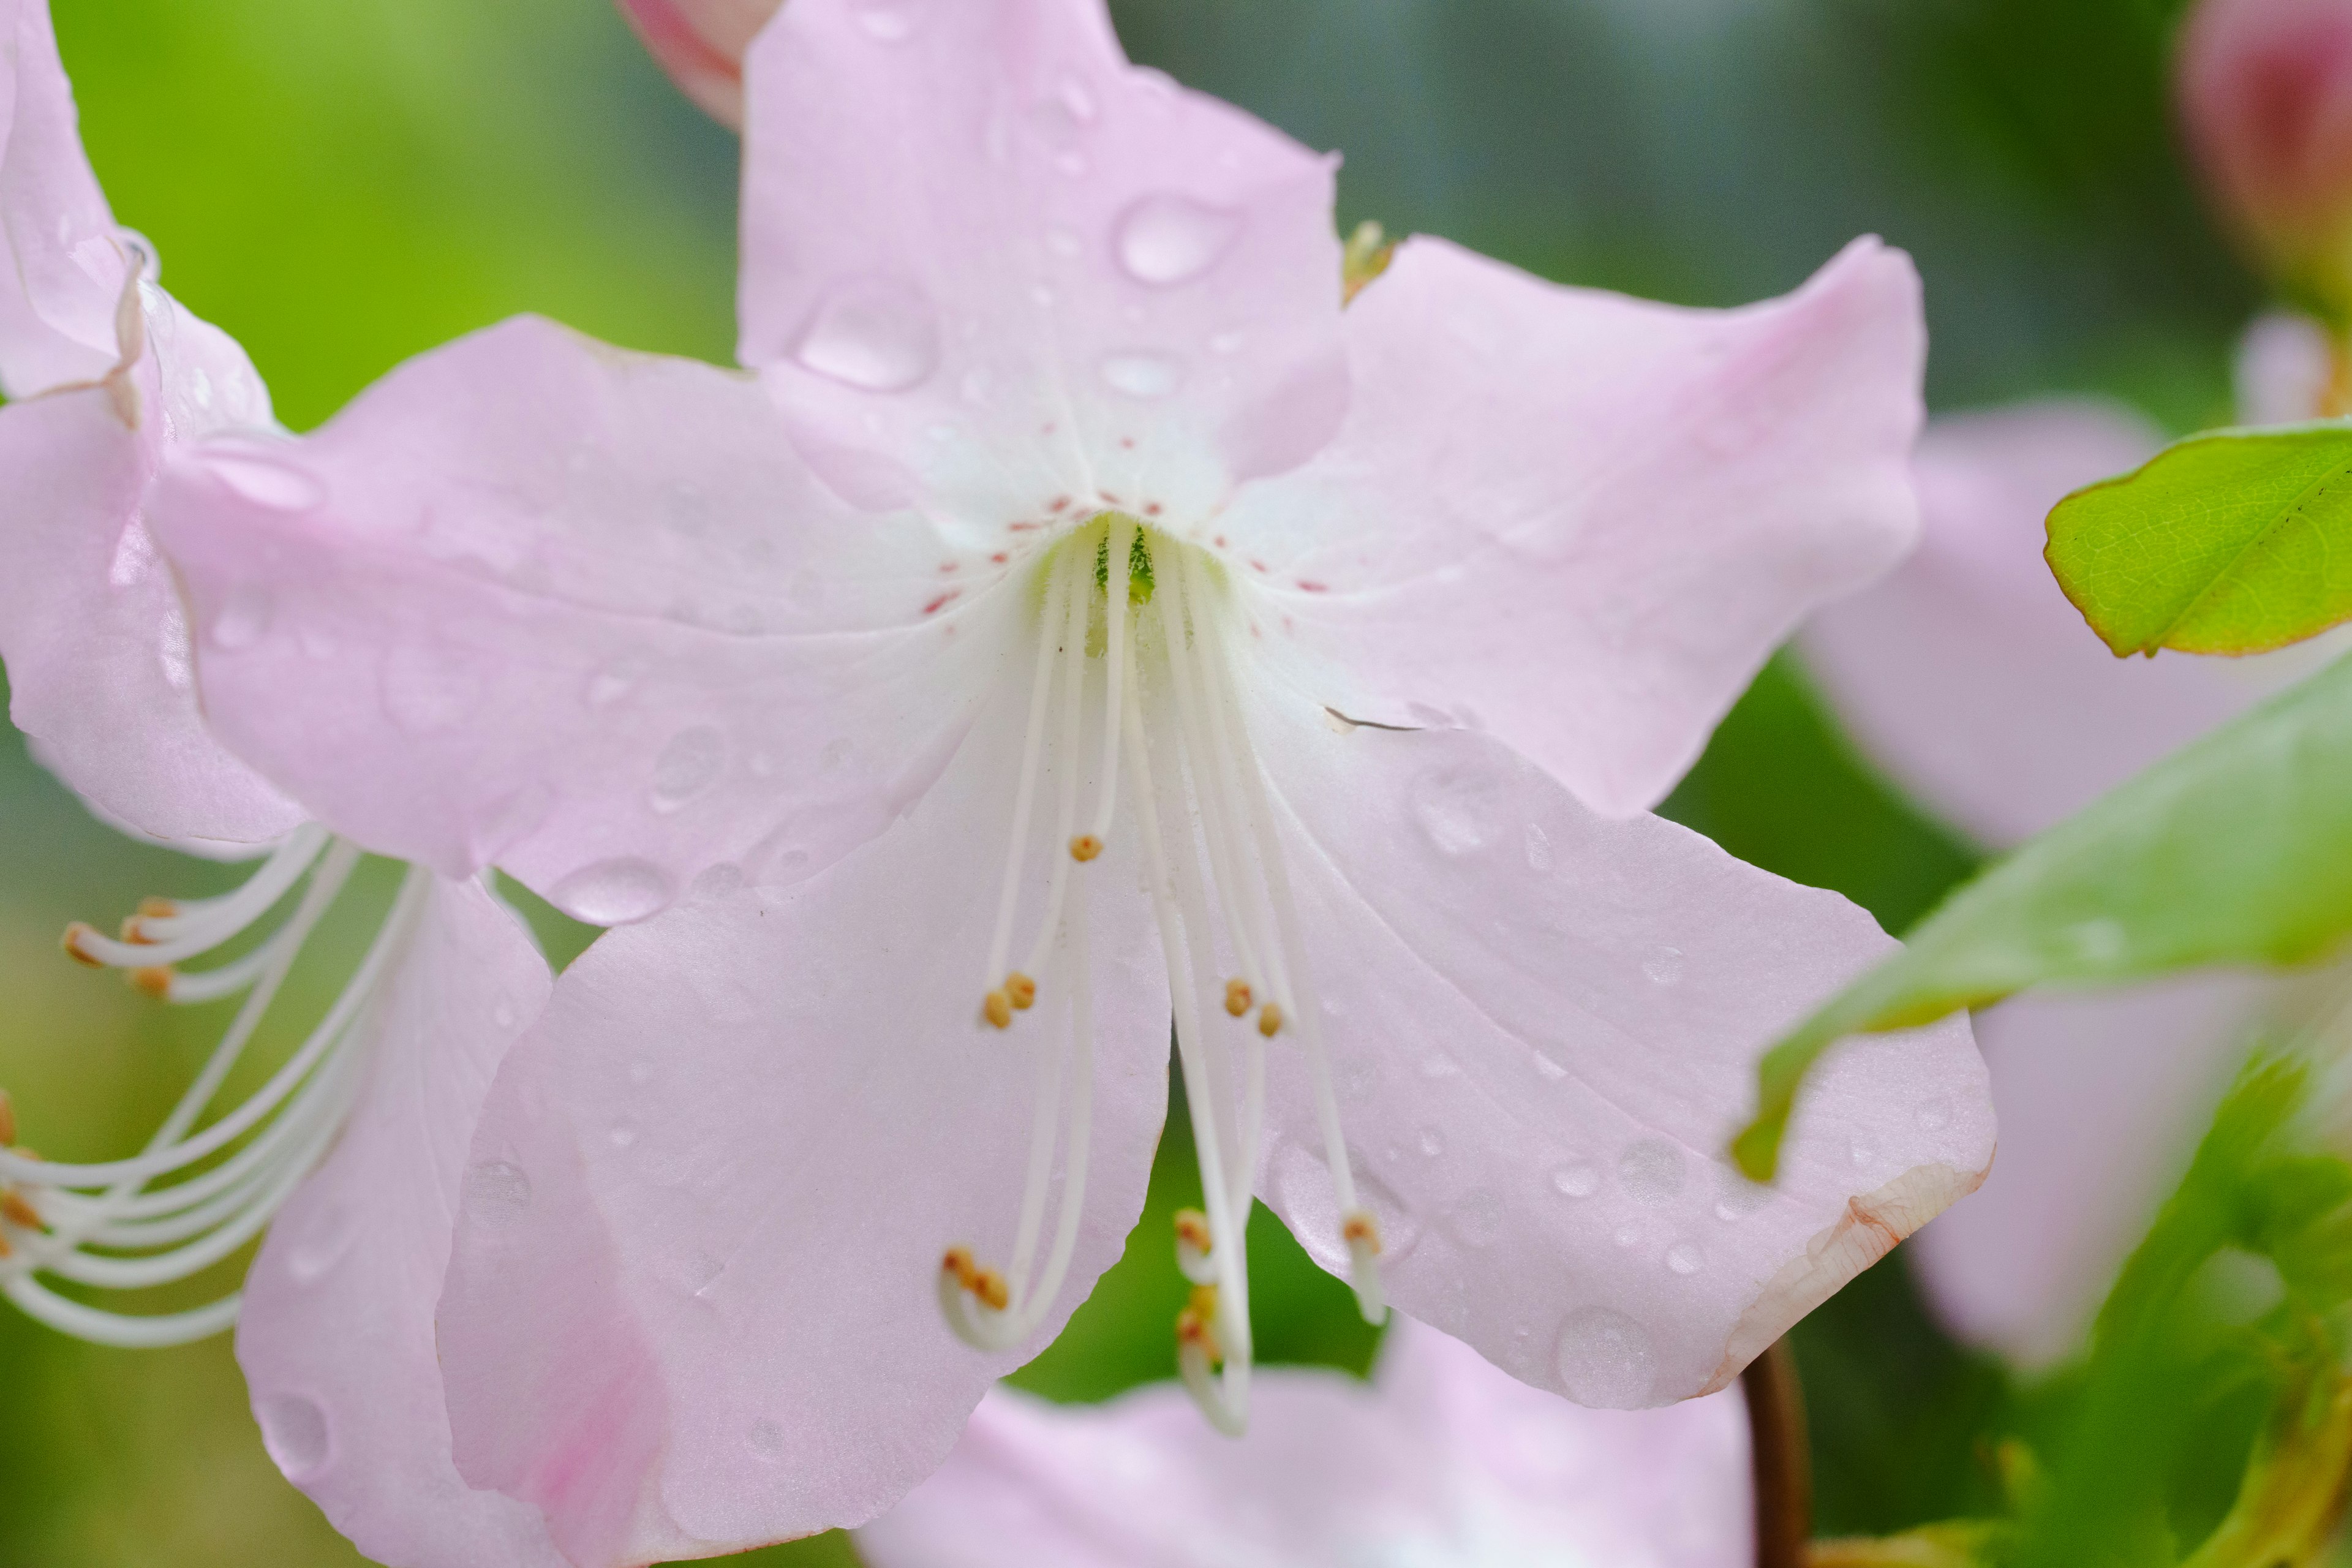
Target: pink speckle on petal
{"points": [[1306, 585], [936, 605], [1060, 503]]}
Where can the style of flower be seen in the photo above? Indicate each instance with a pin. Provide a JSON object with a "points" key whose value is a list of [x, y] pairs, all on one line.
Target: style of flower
{"points": [[1970, 679], [1077, 619], [354, 1144], [1441, 1462]]}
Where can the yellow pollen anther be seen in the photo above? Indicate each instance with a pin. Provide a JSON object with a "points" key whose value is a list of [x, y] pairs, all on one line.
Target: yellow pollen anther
{"points": [[1085, 847], [989, 1286], [1193, 1230], [1269, 1020], [997, 1008], [1361, 1226], [158, 909], [1021, 989], [130, 931], [959, 1263], [73, 941], [7, 1121], [154, 982], [1237, 997], [1205, 1301], [17, 1212]]}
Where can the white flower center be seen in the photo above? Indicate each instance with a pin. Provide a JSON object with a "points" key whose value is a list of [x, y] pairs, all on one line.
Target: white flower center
{"points": [[195, 1194], [1156, 614]]}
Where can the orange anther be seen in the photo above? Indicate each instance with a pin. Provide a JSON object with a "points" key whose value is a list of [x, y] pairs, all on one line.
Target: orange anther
{"points": [[75, 933], [130, 931], [7, 1119], [959, 1263], [17, 1212], [1193, 1230], [158, 909], [1085, 847], [989, 1286], [1361, 1226], [155, 981], [1021, 989], [997, 1008], [1269, 1020], [1205, 1301], [1237, 997]]}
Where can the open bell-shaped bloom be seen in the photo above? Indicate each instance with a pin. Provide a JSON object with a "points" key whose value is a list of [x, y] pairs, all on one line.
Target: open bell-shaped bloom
{"points": [[1077, 618], [356, 1143], [1968, 677], [1441, 1462]]}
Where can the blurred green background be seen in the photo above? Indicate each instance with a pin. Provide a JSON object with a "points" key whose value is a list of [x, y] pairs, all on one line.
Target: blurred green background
{"points": [[341, 185]]}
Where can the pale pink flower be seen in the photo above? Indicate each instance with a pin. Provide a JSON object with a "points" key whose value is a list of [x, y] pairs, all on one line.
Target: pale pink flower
{"points": [[356, 1145], [1441, 1462], [1968, 677], [700, 44], [1075, 600]]}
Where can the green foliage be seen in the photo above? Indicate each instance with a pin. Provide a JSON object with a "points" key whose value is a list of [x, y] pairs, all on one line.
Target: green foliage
{"points": [[2234, 542], [2237, 850]]}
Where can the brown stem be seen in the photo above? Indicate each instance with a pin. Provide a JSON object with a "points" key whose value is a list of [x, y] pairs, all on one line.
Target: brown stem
{"points": [[1780, 1456]]}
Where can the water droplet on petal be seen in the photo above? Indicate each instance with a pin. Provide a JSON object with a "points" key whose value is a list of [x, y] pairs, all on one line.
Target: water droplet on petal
{"points": [[1457, 809], [1664, 966], [318, 1244], [1441, 1067], [1062, 242], [1166, 239], [294, 1431], [1739, 1197], [689, 764], [890, 21], [766, 1440], [623, 1134], [1934, 1115], [1142, 376], [1606, 1359], [716, 881], [427, 690], [268, 482], [612, 892], [243, 620], [495, 1192], [1580, 1180], [1627, 1235], [875, 336], [503, 1016], [1432, 1142], [1477, 1217], [1079, 99], [1538, 851], [1549, 1068], [1652, 1170], [1686, 1258]]}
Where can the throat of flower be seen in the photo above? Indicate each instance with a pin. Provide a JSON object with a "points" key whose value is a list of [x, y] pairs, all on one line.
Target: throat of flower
{"points": [[1156, 620], [200, 1189]]}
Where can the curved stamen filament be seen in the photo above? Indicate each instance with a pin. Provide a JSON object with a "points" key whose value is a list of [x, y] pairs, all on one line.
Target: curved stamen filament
{"points": [[1118, 585], [998, 982]]}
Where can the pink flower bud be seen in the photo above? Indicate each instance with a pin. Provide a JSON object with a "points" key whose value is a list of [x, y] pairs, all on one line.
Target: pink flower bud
{"points": [[700, 44], [2266, 99]]}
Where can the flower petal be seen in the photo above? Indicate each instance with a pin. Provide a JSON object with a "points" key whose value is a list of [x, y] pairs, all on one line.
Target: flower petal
{"points": [[63, 270], [1544, 1025], [1968, 677], [1582, 521], [2101, 1100], [1444, 1460], [989, 263], [91, 629], [692, 1304], [580, 612], [336, 1335]]}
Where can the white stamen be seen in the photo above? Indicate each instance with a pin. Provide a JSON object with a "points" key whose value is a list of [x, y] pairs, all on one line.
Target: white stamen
{"points": [[1118, 579], [1049, 628]]}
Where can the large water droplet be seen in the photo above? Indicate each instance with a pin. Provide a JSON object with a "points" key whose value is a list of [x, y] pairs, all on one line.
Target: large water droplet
{"points": [[1580, 1180], [1686, 1258], [1142, 376], [268, 482], [294, 1431], [689, 764], [1166, 239], [495, 1193], [1457, 809], [1736, 1198], [890, 21], [875, 336], [243, 620], [1652, 1170], [1606, 1359], [316, 1244], [612, 892], [1477, 1217]]}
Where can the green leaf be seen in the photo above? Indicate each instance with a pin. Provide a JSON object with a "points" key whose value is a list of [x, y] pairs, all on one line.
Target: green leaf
{"points": [[2237, 850], [2233, 542]]}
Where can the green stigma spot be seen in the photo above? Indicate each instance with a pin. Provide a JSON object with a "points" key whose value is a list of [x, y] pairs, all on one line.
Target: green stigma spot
{"points": [[1140, 583]]}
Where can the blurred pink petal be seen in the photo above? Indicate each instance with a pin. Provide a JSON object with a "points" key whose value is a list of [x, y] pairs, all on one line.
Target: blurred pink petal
{"points": [[1704, 479], [700, 44], [692, 1306], [97, 651], [1442, 1459], [336, 1338], [1546, 1033], [2265, 91]]}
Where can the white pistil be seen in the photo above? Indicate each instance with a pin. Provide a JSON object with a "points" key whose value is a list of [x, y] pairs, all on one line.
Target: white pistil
{"points": [[128, 1234]]}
